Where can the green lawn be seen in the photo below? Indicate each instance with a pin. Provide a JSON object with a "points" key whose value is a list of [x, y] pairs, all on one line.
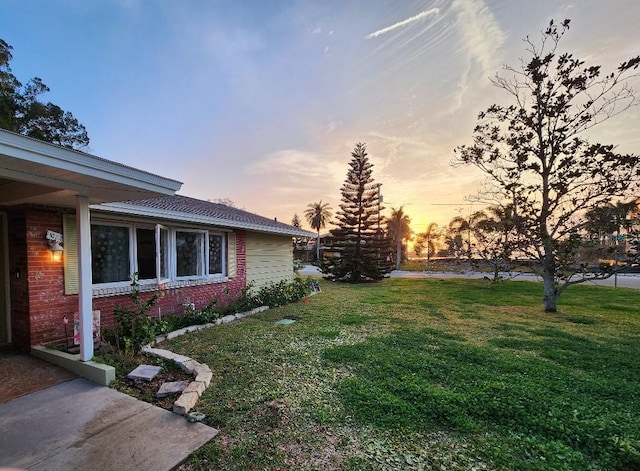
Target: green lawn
{"points": [[426, 374]]}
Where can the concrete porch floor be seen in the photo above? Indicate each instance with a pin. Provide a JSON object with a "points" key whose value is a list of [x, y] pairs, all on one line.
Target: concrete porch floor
{"points": [[79, 425]]}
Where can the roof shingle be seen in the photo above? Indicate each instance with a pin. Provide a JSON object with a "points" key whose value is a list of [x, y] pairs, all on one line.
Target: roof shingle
{"points": [[200, 211]]}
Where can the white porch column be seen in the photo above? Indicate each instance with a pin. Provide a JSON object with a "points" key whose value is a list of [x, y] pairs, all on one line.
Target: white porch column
{"points": [[84, 278]]}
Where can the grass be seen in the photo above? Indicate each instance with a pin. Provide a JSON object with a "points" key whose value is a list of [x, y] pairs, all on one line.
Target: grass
{"points": [[426, 374]]}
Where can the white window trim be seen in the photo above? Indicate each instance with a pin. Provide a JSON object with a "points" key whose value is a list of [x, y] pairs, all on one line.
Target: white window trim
{"points": [[163, 280], [173, 280], [203, 262], [133, 247], [132, 262], [223, 249]]}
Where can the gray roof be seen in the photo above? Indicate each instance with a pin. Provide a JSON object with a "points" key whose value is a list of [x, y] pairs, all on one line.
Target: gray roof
{"points": [[185, 209]]}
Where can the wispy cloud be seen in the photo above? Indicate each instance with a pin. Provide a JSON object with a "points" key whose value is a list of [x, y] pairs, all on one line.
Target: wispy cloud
{"points": [[481, 39], [400, 24], [480, 34]]}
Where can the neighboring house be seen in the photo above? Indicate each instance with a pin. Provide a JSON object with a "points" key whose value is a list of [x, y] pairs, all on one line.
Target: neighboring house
{"points": [[111, 220]]}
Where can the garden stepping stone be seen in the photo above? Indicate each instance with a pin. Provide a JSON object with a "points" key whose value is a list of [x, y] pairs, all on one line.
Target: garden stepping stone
{"points": [[145, 372], [285, 321], [172, 387]]}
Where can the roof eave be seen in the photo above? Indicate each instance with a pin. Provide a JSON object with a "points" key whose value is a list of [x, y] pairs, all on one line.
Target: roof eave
{"points": [[179, 216], [38, 152]]}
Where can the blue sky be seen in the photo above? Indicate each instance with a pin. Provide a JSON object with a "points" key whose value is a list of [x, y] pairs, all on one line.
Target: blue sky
{"points": [[262, 101]]}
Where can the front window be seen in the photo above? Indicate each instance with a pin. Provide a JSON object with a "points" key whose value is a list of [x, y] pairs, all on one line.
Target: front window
{"points": [[189, 253], [163, 250], [110, 260], [146, 253], [215, 254], [158, 254]]}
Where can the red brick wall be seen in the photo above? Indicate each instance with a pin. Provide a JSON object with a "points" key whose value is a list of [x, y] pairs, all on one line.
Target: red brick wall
{"points": [[47, 302], [38, 302], [18, 280]]}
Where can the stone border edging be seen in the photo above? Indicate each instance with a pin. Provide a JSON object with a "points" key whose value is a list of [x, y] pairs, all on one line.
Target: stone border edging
{"points": [[202, 373]]}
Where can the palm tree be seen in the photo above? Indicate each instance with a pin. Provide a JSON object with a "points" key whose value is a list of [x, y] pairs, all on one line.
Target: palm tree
{"points": [[428, 238], [398, 230], [318, 215], [610, 220], [496, 238], [459, 226]]}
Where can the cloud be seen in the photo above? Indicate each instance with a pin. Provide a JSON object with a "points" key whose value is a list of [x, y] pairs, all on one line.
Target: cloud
{"points": [[333, 125], [294, 166], [400, 24], [480, 34], [482, 39]]}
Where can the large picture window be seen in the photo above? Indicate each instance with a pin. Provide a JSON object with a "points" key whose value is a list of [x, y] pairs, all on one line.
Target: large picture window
{"points": [[157, 253]]}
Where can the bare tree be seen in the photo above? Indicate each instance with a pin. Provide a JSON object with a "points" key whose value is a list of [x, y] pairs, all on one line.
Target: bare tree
{"points": [[537, 157]]}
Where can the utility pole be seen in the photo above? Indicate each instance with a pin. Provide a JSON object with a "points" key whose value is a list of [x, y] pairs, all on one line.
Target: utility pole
{"points": [[379, 204]]}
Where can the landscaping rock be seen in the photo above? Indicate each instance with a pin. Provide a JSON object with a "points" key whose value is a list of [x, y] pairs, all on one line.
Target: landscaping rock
{"points": [[188, 365], [205, 377], [185, 403], [144, 372], [171, 388], [197, 387]]}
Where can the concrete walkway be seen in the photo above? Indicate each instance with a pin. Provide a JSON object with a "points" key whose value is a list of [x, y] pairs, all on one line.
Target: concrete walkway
{"points": [[79, 425]]}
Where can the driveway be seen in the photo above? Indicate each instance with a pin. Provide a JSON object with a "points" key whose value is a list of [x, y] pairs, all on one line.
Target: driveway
{"points": [[79, 425]]}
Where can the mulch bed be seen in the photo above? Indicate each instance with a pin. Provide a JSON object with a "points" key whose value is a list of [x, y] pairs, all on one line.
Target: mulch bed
{"points": [[146, 390]]}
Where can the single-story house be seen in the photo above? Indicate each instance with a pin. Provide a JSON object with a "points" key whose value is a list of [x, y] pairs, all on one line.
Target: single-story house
{"points": [[74, 228]]}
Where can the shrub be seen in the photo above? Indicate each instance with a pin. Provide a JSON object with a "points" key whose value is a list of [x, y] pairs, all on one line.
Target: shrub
{"points": [[274, 294], [283, 292], [135, 328]]}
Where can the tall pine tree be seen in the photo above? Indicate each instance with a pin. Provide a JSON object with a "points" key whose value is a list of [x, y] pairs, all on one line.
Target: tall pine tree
{"points": [[361, 250]]}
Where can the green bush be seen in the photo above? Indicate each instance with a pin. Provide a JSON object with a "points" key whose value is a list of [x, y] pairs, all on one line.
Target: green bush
{"points": [[283, 292], [274, 294], [135, 328], [193, 317]]}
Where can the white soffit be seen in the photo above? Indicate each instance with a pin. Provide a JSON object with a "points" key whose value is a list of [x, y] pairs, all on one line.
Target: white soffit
{"points": [[33, 171]]}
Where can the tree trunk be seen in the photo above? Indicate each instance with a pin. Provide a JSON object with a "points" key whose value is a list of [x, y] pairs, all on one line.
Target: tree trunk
{"points": [[318, 248], [550, 303], [398, 254]]}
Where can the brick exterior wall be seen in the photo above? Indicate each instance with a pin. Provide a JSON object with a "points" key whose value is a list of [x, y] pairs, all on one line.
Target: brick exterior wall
{"points": [[38, 302], [18, 280]]}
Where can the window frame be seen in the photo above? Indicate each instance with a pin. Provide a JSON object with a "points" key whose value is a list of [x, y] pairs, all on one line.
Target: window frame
{"points": [[171, 255], [132, 261], [223, 254], [133, 236], [203, 263], [163, 279]]}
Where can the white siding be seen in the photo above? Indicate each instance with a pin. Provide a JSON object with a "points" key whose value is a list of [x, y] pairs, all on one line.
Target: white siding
{"points": [[269, 258]]}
